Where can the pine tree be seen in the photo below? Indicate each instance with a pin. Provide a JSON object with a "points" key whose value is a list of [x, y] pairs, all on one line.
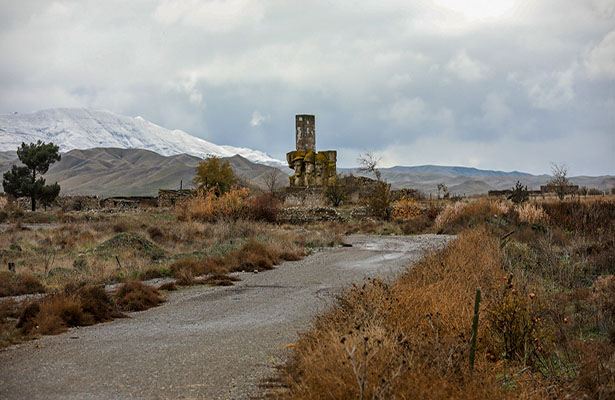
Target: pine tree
{"points": [[22, 181]]}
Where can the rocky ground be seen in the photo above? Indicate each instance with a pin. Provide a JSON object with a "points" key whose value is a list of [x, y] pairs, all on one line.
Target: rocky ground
{"points": [[204, 342]]}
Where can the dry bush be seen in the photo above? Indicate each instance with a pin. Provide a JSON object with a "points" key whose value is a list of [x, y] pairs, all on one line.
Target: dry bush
{"points": [[532, 214], [405, 208], [17, 284], [461, 215], [53, 315], [603, 297], [9, 333], [219, 280], [96, 303], [195, 267], [169, 286], [596, 378], [592, 217], [410, 339], [449, 214], [207, 206], [416, 225], [263, 207], [135, 296]]}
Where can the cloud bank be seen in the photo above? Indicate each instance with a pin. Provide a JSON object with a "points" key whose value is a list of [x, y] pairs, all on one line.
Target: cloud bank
{"points": [[509, 85]]}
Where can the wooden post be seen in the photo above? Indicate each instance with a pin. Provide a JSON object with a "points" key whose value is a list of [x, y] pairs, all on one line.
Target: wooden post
{"points": [[474, 330]]}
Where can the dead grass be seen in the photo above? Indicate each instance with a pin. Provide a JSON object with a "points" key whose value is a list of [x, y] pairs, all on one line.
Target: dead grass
{"points": [[135, 296], [546, 329], [17, 284], [409, 339]]}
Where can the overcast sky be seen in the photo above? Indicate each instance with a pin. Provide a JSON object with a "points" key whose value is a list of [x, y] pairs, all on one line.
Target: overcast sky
{"points": [[493, 84]]}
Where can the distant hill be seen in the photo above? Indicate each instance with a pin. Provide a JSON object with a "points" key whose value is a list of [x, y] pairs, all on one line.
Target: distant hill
{"points": [[132, 172], [135, 172], [79, 128], [468, 181]]}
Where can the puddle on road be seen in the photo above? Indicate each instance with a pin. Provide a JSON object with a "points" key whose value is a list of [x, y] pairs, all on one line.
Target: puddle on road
{"points": [[373, 262]]}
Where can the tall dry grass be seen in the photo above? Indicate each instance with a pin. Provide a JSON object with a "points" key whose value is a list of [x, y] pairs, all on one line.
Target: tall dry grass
{"points": [[409, 339]]}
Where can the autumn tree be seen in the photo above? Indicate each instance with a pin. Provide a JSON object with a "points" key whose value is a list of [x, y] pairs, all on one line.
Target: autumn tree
{"points": [[214, 173], [25, 181]]}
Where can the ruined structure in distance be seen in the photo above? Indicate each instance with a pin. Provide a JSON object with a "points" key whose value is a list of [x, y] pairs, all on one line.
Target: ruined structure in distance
{"points": [[312, 168]]}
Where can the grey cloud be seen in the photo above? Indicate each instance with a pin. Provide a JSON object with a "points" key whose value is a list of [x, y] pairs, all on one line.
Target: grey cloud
{"points": [[408, 79]]}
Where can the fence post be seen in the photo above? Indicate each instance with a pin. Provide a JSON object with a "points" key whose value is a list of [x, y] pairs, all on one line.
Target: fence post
{"points": [[474, 330]]}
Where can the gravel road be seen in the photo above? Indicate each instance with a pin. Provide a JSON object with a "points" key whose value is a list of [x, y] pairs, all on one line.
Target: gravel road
{"points": [[205, 342]]}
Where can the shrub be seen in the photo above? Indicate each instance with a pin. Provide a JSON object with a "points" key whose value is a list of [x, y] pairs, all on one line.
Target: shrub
{"points": [[97, 303], [449, 214], [405, 208], [60, 312], [603, 297], [17, 284], [379, 199], [53, 315], [263, 207], [584, 217], [208, 207], [532, 214], [135, 296], [196, 267], [514, 323], [519, 194], [336, 192], [461, 215]]}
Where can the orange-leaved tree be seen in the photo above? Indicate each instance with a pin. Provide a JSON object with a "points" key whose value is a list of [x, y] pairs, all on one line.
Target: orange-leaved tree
{"points": [[214, 173]]}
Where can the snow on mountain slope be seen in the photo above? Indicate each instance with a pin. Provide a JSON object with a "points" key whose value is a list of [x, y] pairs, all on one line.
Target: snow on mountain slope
{"points": [[77, 128]]}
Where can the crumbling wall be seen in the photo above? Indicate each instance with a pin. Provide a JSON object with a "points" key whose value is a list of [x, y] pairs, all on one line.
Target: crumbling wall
{"points": [[306, 215], [168, 198]]}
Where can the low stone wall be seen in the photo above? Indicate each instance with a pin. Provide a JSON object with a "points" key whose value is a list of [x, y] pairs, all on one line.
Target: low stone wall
{"points": [[307, 196], [304, 215], [78, 203], [360, 212], [168, 198]]}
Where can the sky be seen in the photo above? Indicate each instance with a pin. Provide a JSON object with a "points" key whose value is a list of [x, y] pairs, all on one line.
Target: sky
{"points": [[506, 85]]}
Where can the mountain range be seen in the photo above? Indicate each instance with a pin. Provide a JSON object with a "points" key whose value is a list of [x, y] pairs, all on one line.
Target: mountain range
{"points": [[134, 172], [78, 128], [469, 181], [113, 155]]}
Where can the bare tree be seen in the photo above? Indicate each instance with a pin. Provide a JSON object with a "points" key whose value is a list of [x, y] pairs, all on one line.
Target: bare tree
{"points": [[368, 163], [273, 180], [336, 192], [379, 198], [560, 182]]}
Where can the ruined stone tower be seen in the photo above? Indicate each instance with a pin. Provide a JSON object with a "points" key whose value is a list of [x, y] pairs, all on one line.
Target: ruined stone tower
{"points": [[305, 132], [312, 168]]}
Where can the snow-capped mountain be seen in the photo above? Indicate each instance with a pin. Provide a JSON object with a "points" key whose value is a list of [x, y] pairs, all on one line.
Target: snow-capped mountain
{"points": [[77, 128]]}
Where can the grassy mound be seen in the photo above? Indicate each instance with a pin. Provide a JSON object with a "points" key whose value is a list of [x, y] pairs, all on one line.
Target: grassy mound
{"points": [[132, 242]]}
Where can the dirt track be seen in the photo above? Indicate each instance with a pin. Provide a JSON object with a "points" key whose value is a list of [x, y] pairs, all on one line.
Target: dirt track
{"points": [[205, 343]]}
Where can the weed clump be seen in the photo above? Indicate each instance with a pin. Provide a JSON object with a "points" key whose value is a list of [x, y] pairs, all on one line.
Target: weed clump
{"points": [[136, 296], [17, 284]]}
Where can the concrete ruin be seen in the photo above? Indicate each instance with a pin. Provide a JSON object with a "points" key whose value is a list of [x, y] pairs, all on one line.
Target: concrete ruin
{"points": [[312, 168]]}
